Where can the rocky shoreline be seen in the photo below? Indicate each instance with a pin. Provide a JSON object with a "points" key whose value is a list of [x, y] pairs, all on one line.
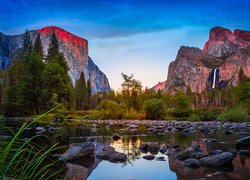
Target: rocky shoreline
{"points": [[192, 157]]}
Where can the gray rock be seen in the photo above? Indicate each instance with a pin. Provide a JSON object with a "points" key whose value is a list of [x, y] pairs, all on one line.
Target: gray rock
{"points": [[163, 149], [192, 163], [245, 152], [148, 157], [209, 140], [77, 151], [201, 155], [190, 152], [109, 153], [242, 134], [215, 152], [218, 160], [243, 143], [144, 148], [228, 132], [40, 130], [117, 157], [153, 148], [160, 158], [116, 137]]}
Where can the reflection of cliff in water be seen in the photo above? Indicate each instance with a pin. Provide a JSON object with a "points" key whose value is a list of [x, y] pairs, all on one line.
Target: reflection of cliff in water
{"points": [[240, 171]]}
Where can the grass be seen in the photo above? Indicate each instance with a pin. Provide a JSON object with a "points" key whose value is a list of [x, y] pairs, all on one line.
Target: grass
{"points": [[23, 159]]}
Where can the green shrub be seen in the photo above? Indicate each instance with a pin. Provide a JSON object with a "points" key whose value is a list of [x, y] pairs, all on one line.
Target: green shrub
{"points": [[109, 110], [207, 114], [132, 114], [237, 114], [154, 109], [194, 117], [179, 113]]}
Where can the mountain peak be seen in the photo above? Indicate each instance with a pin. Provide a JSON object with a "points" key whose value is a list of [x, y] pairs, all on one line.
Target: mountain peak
{"points": [[63, 35]]}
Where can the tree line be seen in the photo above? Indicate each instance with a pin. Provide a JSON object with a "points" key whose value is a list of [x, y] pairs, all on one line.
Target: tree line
{"points": [[35, 83]]}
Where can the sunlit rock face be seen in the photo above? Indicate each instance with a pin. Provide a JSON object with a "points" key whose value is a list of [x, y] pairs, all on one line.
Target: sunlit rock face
{"points": [[194, 68], [223, 42], [73, 47], [160, 86]]}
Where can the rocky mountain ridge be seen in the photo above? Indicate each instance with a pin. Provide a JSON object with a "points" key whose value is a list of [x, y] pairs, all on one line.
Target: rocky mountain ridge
{"points": [[216, 66]]}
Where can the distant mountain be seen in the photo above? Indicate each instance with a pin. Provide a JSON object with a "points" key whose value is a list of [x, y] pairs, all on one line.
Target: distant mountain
{"points": [[216, 66], [74, 48], [159, 86]]}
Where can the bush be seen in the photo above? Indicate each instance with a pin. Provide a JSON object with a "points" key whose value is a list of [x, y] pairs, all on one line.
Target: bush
{"points": [[132, 114], [237, 114], [179, 113], [154, 109], [207, 114], [109, 110], [194, 117]]}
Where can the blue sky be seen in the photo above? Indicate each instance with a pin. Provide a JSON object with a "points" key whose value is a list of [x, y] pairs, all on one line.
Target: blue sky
{"points": [[132, 36]]}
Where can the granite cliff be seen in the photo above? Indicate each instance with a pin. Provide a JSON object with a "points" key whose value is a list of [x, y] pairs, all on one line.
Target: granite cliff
{"points": [[74, 48], [216, 66]]}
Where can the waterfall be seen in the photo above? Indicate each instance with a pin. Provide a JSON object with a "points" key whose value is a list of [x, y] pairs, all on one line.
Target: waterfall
{"points": [[214, 80]]}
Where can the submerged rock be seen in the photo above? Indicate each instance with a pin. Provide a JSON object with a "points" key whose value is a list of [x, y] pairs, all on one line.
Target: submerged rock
{"points": [[153, 148], [228, 132], [144, 148], [77, 151], [116, 137], [40, 130], [192, 163], [148, 157], [218, 160], [215, 152], [190, 152], [160, 158], [163, 149], [243, 143], [109, 153]]}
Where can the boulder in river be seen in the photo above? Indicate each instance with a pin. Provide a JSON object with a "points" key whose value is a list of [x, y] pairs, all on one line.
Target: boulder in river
{"points": [[217, 161], [144, 148], [109, 153], [243, 143], [190, 152], [153, 148], [116, 137], [77, 151], [148, 157], [192, 163]]}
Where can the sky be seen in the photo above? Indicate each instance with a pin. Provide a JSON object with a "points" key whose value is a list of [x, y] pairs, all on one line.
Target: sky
{"points": [[139, 37]]}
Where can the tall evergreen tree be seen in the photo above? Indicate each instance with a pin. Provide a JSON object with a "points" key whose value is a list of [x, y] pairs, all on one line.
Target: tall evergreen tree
{"points": [[38, 47], [89, 92], [29, 89], [55, 78], [53, 49], [26, 44], [81, 92]]}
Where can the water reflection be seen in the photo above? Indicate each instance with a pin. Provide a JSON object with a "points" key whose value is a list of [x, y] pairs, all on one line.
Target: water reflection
{"points": [[138, 168]]}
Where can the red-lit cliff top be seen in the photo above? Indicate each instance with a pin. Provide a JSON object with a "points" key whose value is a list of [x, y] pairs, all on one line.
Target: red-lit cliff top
{"points": [[220, 35], [63, 35], [160, 86]]}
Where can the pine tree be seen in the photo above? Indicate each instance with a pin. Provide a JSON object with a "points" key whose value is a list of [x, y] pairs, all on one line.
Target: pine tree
{"points": [[38, 47], [89, 90], [53, 49], [55, 78], [26, 44], [29, 88], [81, 92]]}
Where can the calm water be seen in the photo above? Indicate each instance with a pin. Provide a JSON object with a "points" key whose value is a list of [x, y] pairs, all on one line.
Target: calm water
{"points": [[138, 168]]}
